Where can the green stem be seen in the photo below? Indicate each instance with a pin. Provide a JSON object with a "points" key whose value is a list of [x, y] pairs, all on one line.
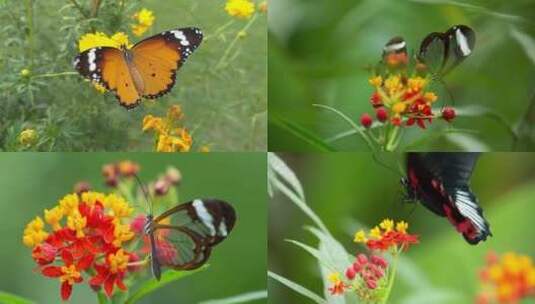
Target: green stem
{"points": [[219, 30], [391, 277], [79, 8], [391, 142], [234, 41], [29, 16], [50, 75]]}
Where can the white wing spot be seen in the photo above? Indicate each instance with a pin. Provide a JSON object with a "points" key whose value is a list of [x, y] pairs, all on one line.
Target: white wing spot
{"points": [[205, 216], [91, 56], [180, 36], [223, 229], [463, 42]]}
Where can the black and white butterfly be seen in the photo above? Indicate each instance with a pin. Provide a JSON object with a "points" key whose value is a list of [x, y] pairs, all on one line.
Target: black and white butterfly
{"points": [[439, 52], [182, 237], [441, 183]]}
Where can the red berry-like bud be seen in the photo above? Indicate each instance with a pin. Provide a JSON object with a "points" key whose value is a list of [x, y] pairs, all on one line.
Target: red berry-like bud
{"points": [[376, 100], [357, 267], [350, 273], [362, 259], [381, 114], [366, 120], [376, 271], [372, 284], [448, 114], [379, 261], [396, 121]]}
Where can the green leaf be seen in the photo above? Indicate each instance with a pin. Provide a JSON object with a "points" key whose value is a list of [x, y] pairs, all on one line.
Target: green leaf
{"points": [[7, 298], [297, 288], [527, 43], [279, 167], [301, 133], [467, 142], [355, 127], [152, 285], [241, 298]]}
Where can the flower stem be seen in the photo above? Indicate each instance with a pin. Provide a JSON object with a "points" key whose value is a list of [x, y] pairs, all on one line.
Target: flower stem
{"points": [[391, 277], [49, 75], [392, 142], [219, 30], [234, 41]]}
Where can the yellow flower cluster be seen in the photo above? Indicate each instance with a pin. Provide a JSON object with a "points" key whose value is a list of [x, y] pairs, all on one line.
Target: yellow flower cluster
{"points": [[511, 277], [377, 232], [27, 137], [67, 208], [118, 261], [169, 137], [145, 19], [34, 232], [243, 9]]}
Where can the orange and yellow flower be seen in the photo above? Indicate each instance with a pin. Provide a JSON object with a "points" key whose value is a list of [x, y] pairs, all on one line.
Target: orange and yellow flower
{"points": [[169, 136], [387, 235]]}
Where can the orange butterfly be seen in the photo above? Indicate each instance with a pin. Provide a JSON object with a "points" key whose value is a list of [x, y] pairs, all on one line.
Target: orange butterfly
{"points": [[147, 70]]}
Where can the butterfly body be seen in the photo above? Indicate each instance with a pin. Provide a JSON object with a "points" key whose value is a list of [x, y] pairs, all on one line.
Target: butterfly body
{"points": [[147, 70], [182, 237], [440, 182]]}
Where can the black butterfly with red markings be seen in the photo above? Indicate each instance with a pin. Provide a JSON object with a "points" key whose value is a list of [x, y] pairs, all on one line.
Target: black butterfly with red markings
{"points": [[441, 183], [182, 237], [146, 70]]}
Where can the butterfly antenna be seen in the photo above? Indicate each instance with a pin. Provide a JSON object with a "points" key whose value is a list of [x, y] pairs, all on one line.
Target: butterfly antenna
{"points": [[145, 193]]}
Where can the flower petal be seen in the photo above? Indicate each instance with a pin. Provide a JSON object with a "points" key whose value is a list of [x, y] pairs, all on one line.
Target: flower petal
{"points": [[66, 290], [85, 262], [52, 271], [108, 285]]}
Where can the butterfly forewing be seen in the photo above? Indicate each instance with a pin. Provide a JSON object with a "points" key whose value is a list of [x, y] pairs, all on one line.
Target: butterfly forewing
{"points": [[157, 58], [186, 233], [433, 51], [107, 67], [440, 181], [461, 40]]}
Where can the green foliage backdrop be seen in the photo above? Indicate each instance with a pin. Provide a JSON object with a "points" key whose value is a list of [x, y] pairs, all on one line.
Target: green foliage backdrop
{"points": [[318, 52], [34, 181], [224, 100]]}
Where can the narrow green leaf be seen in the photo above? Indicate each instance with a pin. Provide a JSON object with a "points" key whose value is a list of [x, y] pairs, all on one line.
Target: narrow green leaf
{"points": [[7, 298], [280, 167], [527, 43], [241, 298], [152, 285], [314, 252], [297, 288], [301, 133], [467, 142], [350, 122]]}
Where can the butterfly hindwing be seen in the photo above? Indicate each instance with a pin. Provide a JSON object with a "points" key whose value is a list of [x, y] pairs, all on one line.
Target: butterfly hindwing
{"points": [[185, 234], [107, 67], [433, 52], [157, 58], [440, 181]]}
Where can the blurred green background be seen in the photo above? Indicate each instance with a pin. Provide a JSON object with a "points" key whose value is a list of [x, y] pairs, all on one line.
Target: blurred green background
{"points": [[32, 182], [225, 105], [318, 51], [349, 188]]}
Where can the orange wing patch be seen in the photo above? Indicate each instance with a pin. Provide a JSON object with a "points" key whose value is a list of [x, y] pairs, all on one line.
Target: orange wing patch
{"points": [[107, 67], [157, 61]]}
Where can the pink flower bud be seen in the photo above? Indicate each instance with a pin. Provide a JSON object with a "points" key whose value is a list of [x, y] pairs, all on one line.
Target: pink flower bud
{"points": [[366, 120]]}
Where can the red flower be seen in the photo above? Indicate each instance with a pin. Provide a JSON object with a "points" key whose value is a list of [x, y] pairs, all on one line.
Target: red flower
{"points": [[70, 273], [376, 100], [111, 272]]}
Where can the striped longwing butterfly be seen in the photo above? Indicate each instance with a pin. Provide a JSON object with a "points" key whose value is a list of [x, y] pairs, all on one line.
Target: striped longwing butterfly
{"points": [[182, 237], [147, 70], [439, 53], [441, 183]]}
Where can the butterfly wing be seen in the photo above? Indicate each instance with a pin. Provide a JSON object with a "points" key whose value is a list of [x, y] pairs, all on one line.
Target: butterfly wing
{"points": [[461, 42], [157, 58], [433, 51], [440, 181], [184, 235], [107, 67]]}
